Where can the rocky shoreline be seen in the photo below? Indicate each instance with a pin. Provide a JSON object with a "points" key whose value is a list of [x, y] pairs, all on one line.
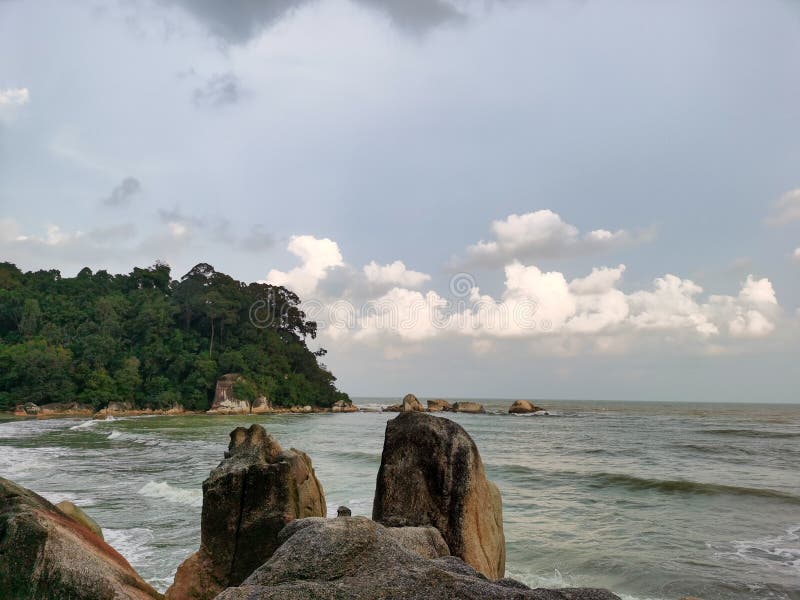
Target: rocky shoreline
{"points": [[436, 531]]}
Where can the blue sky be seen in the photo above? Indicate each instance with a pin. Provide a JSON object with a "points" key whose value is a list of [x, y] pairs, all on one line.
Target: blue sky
{"points": [[624, 175]]}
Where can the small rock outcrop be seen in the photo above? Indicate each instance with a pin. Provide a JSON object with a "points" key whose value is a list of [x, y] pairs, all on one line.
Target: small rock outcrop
{"points": [[225, 403], [342, 406], [358, 559], [247, 501], [431, 474], [260, 406], [409, 404], [521, 407], [468, 407], [73, 512], [439, 405], [29, 409], [46, 555], [66, 409]]}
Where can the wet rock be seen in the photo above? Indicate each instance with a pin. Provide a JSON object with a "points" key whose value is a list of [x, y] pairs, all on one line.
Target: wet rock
{"points": [[439, 405], [358, 559], [343, 511], [247, 500], [409, 404], [468, 407], [523, 407], [431, 474], [46, 555]]}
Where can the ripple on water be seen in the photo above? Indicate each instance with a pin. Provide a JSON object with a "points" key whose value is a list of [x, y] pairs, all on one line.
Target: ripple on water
{"points": [[164, 491]]}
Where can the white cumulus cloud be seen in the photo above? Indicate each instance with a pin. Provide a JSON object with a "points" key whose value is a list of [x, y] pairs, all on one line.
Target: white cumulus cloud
{"points": [[786, 209], [14, 97], [318, 256], [395, 273]]}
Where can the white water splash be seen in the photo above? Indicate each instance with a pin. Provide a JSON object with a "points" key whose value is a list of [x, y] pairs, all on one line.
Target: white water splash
{"points": [[780, 552], [165, 491]]}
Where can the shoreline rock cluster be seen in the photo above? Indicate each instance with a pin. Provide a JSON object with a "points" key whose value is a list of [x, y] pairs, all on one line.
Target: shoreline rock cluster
{"points": [[410, 403], [436, 532]]}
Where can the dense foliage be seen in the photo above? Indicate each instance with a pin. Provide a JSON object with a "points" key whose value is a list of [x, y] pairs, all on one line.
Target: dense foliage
{"points": [[147, 339]]}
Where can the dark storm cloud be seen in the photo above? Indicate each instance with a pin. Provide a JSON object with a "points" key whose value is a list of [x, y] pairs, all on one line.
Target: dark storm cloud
{"points": [[218, 91], [239, 21], [122, 194]]}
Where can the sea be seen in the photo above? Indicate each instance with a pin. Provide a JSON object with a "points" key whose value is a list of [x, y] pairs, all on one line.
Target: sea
{"points": [[654, 501]]}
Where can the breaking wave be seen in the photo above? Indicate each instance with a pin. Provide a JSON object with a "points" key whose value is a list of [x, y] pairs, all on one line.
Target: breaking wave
{"points": [[165, 491]]}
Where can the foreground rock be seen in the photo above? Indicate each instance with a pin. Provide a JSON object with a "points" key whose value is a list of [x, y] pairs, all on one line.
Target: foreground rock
{"points": [[357, 559], [247, 501], [468, 407], [46, 555], [75, 513], [409, 404], [431, 474], [439, 405], [521, 407]]}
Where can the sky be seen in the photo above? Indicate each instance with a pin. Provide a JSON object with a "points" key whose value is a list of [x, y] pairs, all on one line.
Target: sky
{"points": [[555, 199]]}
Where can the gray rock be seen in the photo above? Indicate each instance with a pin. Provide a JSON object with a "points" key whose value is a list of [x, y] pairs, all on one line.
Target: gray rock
{"points": [[357, 559]]}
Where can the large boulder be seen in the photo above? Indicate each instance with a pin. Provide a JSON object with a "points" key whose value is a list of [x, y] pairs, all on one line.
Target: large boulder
{"points": [[358, 559], [225, 402], [46, 555], [468, 407], [409, 404], [439, 405], [29, 409], [431, 474], [521, 407], [73, 512], [343, 406], [247, 500]]}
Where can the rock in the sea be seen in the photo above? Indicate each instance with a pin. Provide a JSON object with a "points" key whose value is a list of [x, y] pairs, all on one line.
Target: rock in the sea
{"points": [[523, 407], [46, 555], [344, 511], [342, 406], [355, 558], [409, 404], [247, 500], [29, 409], [225, 403], [431, 474], [468, 407], [439, 405], [73, 512]]}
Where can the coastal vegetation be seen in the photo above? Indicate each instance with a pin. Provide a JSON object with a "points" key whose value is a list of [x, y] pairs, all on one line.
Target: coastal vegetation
{"points": [[154, 341]]}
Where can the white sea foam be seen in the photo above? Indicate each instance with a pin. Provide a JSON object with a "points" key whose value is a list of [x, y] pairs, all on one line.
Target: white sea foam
{"points": [[84, 425], [115, 435], [360, 507], [781, 552], [165, 491], [22, 461], [134, 544]]}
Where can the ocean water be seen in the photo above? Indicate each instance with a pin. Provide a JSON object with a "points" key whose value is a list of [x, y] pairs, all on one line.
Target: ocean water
{"points": [[653, 501]]}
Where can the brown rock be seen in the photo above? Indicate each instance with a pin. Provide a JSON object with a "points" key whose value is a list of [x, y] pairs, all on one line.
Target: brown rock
{"points": [[247, 500], [438, 405], [66, 409], [468, 407], [225, 403], [29, 409], [409, 404], [431, 474], [47, 555], [73, 512], [260, 406], [522, 407]]}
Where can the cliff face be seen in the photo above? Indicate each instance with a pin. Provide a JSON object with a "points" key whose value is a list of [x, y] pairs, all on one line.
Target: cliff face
{"points": [[226, 403]]}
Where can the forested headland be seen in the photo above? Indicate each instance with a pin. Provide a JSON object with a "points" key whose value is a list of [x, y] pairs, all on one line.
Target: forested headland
{"points": [[153, 341]]}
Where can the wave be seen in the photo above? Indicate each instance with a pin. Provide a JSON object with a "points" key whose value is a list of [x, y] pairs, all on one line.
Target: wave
{"points": [[671, 486], [756, 433], [165, 491], [134, 544], [84, 425], [355, 455], [781, 552]]}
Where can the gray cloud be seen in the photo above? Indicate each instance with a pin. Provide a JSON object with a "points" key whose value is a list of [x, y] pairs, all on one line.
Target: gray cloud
{"points": [[257, 240], [122, 194], [219, 90], [239, 21]]}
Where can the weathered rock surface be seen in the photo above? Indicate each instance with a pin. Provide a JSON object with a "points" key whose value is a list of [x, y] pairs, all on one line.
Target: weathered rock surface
{"points": [[29, 409], [431, 474], [523, 407], [355, 558], [247, 500], [468, 407], [260, 406], [409, 404], [224, 400], [73, 512], [45, 555], [439, 405]]}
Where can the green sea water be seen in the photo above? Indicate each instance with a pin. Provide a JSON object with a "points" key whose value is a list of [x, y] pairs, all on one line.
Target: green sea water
{"points": [[653, 501]]}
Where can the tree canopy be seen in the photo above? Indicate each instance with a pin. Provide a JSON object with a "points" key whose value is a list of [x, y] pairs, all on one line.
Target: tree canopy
{"points": [[153, 341]]}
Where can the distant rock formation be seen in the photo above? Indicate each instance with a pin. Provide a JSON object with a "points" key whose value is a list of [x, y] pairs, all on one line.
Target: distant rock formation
{"points": [[53, 409], [226, 403], [342, 406], [29, 409], [468, 407], [438, 405], [247, 500], [523, 407], [46, 555], [431, 474], [409, 404], [73, 512], [358, 559]]}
